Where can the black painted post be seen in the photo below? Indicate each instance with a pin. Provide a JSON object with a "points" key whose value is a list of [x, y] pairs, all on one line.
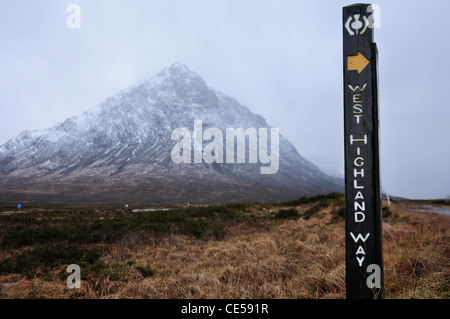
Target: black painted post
{"points": [[364, 260]]}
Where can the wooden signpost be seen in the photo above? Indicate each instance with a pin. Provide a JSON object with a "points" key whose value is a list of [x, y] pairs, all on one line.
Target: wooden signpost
{"points": [[364, 261]]}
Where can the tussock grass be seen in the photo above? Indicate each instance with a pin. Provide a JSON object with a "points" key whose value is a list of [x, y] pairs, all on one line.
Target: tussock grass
{"points": [[286, 250]]}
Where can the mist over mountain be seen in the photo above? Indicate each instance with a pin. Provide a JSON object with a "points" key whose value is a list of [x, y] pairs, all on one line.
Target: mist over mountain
{"points": [[120, 152]]}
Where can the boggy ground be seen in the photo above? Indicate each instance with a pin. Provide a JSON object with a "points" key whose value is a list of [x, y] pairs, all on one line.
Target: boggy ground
{"points": [[286, 250]]}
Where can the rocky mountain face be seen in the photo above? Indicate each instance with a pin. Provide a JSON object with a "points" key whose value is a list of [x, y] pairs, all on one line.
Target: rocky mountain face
{"points": [[120, 152]]}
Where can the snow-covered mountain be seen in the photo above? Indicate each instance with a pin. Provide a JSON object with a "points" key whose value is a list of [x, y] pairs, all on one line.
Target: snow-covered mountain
{"points": [[120, 151]]}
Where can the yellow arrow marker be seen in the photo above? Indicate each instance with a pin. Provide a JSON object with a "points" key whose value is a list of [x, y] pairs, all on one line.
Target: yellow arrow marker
{"points": [[357, 62]]}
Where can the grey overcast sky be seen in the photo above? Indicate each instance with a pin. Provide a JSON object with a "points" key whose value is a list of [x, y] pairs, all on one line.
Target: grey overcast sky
{"points": [[281, 58]]}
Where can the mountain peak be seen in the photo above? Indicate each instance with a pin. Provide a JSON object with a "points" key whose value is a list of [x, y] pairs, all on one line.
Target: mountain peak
{"points": [[121, 150], [178, 69], [178, 66], [186, 84]]}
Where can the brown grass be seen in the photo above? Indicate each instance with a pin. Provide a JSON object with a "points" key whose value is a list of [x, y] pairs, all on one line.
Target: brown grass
{"points": [[292, 258]]}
